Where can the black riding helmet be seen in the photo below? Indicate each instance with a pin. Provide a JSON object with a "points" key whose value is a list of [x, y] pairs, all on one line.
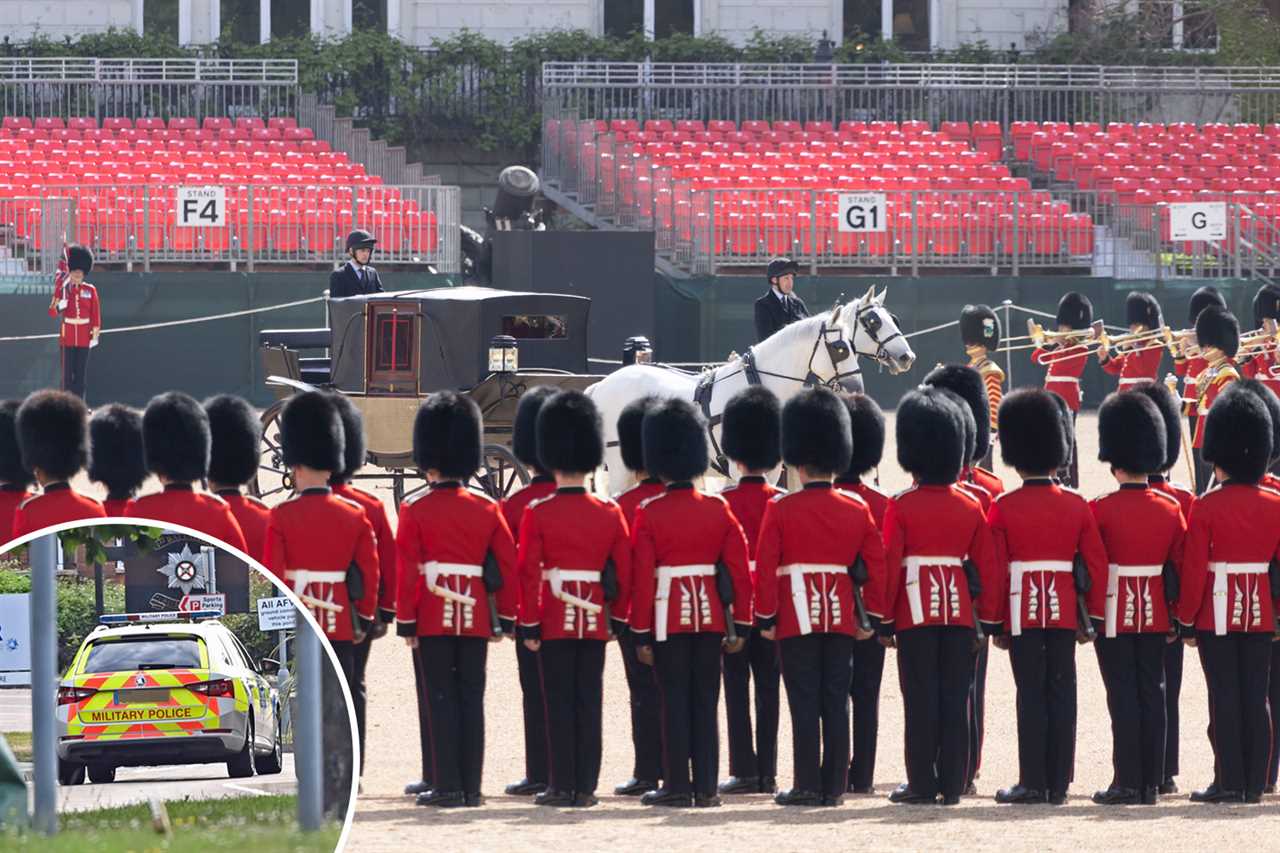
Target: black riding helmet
{"points": [[779, 267], [360, 239]]}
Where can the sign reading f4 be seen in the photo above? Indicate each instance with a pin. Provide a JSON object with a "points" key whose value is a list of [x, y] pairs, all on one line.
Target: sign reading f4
{"points": [[201, 207]]}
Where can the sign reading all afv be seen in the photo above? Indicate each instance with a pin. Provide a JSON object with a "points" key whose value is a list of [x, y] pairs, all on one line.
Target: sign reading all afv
{"points": [[276, 614]]}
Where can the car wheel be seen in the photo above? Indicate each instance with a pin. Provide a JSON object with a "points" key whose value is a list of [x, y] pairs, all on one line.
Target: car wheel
{"points": [[101, 774], [273, 761], [70, 773], [241, 765]]}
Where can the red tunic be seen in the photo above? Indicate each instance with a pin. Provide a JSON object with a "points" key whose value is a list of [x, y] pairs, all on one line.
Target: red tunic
{"points": [[1232, 537], [1184, 496], [565, 541], [929, 531], [513, 507], [57, 503], [678, 538], [877, 501], [630, 500], [1065, 364], [117, 507], [312, 540], [11, 497], [181, 504], [386, 541], [1214, 380], [809, 540], [1189, 369], [989, 481], [253, 516], [1135, 367], [1265, 368], [1142, 530], [82, 315], [445, 536], [979, 494], [748, 498]]}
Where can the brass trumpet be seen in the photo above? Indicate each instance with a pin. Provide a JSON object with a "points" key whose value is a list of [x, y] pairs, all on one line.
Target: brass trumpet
{"points": [[1039, 336], [1264, 339]]}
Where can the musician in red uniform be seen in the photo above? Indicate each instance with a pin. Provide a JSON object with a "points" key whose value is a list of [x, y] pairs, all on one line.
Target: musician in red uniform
{"points": [[1065, 359], [53, 436], [1264, 362], [1139, 361], [938, 554], [455, 552], [980, 331], [116, 458], [816, 547], [1226, 597], [642, 682], [866, 424], [15, 479], [175, 442], [751, 439], [1218, 334], [574, 566], [235, 449], [1142, 530], [76, 302], [1189, 363], [1048, 547], [524, 443], [691, 596]]}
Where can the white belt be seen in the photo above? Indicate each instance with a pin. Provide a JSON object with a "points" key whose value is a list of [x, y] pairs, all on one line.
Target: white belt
{"points": [[1133, 380], [1074, 380], [1114, 573], [557, 578], [799, 595], [913, 581], [1220, 573], [433, 571], [73, 321], [662, 600], [1018, 568], [302, 578]]}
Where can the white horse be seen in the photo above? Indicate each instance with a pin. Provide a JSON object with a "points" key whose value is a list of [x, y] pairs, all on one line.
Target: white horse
{"points": [[813, 351]]}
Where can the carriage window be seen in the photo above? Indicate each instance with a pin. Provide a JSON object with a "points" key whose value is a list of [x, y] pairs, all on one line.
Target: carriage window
{"points": [[527, 327], [394, 347]]}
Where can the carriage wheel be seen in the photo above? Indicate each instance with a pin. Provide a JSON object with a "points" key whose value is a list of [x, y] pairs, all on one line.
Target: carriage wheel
{"points": [[501, 474], [272, 477]]}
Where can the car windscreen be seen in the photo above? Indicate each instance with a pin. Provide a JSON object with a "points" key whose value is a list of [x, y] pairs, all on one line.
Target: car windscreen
{"points": [[143, 653]]}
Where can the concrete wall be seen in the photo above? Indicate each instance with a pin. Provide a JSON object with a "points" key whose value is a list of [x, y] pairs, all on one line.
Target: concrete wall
{"points": [[501, 20], [735, 19], [58, 18], [1000, 22]]}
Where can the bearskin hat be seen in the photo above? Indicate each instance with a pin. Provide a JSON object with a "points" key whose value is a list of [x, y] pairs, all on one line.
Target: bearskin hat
{"points": [[53, 433], [311, 432], [866, 424], [1140, 307], [12, 470], [570, 435], [448, 435], [967, 382], [1068, 426], [353, 450], [1218, 327], [1031, 439], [1131, 433], [235, 440], [674, 436], [979, 325], [524, 435], [630, 439], [1075, 310], [116, 456], [1202, 299], [1272, 402], [1266, 304], [930, 434], [816, 433], [751, 429], [79, 258], [1237, 435], [1170, 410], [970, 426], [175, 437]]}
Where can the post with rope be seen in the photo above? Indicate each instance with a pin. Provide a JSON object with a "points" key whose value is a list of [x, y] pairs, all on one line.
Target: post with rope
{"points": [[1007, 305]]}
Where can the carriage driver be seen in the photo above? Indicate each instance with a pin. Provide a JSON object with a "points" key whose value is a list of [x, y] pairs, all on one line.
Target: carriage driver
{"points": [[780, 306], [356, 276]]}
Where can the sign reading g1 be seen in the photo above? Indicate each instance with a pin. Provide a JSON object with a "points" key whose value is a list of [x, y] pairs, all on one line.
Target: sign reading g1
{"points": [[1200, 220], [201, 207], [862, 213]]}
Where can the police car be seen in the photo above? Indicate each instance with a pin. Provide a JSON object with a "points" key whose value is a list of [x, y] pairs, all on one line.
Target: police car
{"points": [[165, 688]]}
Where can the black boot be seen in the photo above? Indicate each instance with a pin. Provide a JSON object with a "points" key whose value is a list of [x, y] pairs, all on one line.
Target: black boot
{"points": [[740, 785], [584, 800], [1168, 786], [415, 788], [634, 787], [554, 797], [706, 801], [1020, 795], [903, 795], [667, 797], [1117, 796], [525, 788], [473, 800], [1216, 794], [1150, 795], [442, 799], [768, 784], [794, 797]]}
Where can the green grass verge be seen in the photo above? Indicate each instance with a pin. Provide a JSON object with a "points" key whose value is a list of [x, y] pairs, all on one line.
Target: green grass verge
{"points": [[20, 743], [260, 824]]}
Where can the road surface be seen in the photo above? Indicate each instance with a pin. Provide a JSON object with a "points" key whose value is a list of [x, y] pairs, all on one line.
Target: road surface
{"points": [[178, 782]]}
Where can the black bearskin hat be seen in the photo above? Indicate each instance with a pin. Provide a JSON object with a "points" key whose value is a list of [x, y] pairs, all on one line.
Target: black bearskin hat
{"points": [[967, 382], [1131, 433], [630, 429], [570, 435], [1202, 299], [1266, 304], [816, 433], [311, 432], [1218, 327], [448, 435], [1170, 409], [1272, 402], [674, 436], [53, 433], [524, 434], [1068, 426], [12, 470], [353, 451], [175, 437], [1237, 435], [979, 325], [930, 433], [1142, 308], [967, 421], [866, 424], [116, 456], [236, 440], [79, 258], [751, 429], [1075, 310], [1031, 439]]}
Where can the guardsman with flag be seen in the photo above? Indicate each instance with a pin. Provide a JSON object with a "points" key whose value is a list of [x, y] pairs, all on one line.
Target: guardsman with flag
{"points": [[76, 302], [116, 458], [235, 449], [15, 478], [1065, 359], [1218, 334], [980, 331], [1140, 361], [53, 435]]}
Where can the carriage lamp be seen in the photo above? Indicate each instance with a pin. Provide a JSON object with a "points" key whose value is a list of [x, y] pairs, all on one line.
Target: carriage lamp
{"points": [[504, 356], [637, 350]]}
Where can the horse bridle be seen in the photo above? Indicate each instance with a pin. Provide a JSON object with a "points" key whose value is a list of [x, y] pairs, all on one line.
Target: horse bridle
{"points": [[838, 349]]}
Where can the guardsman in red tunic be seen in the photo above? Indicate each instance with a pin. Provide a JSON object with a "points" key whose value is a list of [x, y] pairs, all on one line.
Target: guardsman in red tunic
{"points": [[1264, 362], [15, 480], [1048, 547], [751, 439], [866, 422], [1218, 335], [1189, 363], [457, 576], [642, 681], [115, 456], [1065, 359], [53, 436], [980, 331], [1142, 530], [76, 302], [175, 441], [691, 596], [1226, 605], [235, 448], [524, 443], [1139, 361], [574, 566], [940, 580], [817, 547]]}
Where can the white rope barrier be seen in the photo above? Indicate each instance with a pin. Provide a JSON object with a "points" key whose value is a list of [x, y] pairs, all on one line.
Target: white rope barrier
{"points": [[186, 322]]}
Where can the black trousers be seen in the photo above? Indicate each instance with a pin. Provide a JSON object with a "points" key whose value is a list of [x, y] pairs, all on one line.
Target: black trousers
{"points": [[977, 710], [359, 661], [535, 715], [864, 690], [818, 669], [935, 671], [1044, 670], [573, 682], [758, 662], [1173, 653], [1203, 470], [689, 677], [454, 671], [75, 370], [424, 726], [646, 713], [1273, 699], [1238, 670], [1132, 668]]}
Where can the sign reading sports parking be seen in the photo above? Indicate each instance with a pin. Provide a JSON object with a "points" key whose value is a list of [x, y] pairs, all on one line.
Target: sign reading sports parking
{"points": [[201, 207], [862, 213], [1201, 220], [207, 601], [276, 614]]}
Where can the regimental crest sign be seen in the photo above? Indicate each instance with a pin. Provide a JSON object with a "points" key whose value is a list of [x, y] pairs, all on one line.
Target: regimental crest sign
{"points": [[187, 570]]}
